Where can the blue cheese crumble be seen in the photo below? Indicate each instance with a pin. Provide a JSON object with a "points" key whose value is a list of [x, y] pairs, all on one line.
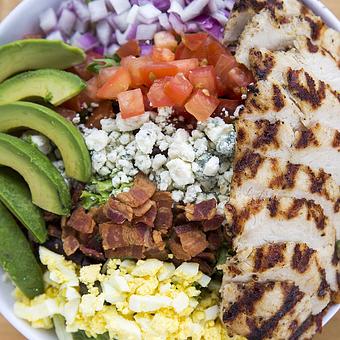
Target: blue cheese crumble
{"points": [[194, 166]]}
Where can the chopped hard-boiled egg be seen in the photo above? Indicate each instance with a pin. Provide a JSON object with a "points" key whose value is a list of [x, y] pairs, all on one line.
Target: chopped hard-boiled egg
{"points": [[128, 300]]}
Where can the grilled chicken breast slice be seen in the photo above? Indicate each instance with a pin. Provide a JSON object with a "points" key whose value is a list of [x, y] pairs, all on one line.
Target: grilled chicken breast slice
{"points": [[314, 59], [294, 262], [264, 310], [244, 10], [317, 147], [256, 222], [262, 177]]}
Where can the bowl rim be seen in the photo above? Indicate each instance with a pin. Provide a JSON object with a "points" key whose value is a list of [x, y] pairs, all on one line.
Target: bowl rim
{"points": [[29, 6]]}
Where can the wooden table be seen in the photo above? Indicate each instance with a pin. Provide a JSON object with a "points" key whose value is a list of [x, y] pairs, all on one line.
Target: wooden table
{"points": [[7, 332]]}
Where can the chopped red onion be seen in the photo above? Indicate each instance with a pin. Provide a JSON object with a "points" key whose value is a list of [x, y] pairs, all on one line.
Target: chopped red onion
{"points": [[229, 4], [81, 26], [221, 17], [220, 4], [65, 5], [193, 9], [121, 38], [98, 10], [175, 7], [212, 6], [104, 32], [111, 50], [211, 26], [111, 20], [99, 50], [146, 21], [145, 49], [176, 23], [162, 5], [85, 41], [192, 26], [81, 10], [120, 6], [66, 21], [149, 11], [164, 21], [146, 32], [121, 22], [131, 31], [48, 20], [132, 15], [55, 35]]}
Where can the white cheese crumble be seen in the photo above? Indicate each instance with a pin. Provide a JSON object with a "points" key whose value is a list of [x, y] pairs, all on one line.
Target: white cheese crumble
{"points": [[194, 166]]}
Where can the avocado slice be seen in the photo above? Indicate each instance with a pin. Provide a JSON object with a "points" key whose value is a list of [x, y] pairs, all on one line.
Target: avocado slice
{"points": [[33, 54], [16, 196], [53, 86], [48, 188], [17, 258], [62, 132]]}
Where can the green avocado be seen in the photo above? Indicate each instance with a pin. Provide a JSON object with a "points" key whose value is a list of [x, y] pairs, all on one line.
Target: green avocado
{"points": [[33, 54], [17, 258], [62, 132], [16, 196], [48, 189], [53, 86]]}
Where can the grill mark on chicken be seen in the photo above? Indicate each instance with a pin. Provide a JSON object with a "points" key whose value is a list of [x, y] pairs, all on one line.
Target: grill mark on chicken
{"points": [[278, 98], [315, 26], [310, 93], [292, 296], [247, 165], [308, 323], [337, 206], [295, 208], [301, 257], [246, 302], [263, 64], [315, 212], [257, 6], [266, 258], [287, 179], [273, 206], [267, 134], [336, 140], [311, 47], [318, 181], [324, 286], [306, 138]]}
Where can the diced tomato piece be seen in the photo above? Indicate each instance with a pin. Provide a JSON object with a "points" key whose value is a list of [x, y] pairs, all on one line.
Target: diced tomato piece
{"points": [[215, 49], [201, 106], [105, 74], [157, 95], [185, 65], [131, 48], [119, 82], [165, 39], [182, 52], [226, 106], [134, 65], [237, 79], [152, 71], [193, 41], [81, 69], [131, 103], [104, 110], [92, 88], [204, 78], [162, 54], [178, 89], [224, 64]]}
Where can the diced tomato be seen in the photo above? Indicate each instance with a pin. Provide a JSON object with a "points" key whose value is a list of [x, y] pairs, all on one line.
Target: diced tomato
{"points": [[119, 82], [185, 65], [165, 39], [214, 51], [104, 110], [92, 88], [193, 41], [131, 48], [81, 69], [201, 106], [105, 74], [182, 52], [152, 71], [134, 65], [237, 79], [131, 103], [224, 64], [178, 89], [162, 54], [157, 95], [226, 106], [204, 78]]}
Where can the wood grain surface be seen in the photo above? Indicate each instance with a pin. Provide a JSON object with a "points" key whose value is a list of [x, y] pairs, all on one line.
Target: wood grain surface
{"points": [[7, 332]]}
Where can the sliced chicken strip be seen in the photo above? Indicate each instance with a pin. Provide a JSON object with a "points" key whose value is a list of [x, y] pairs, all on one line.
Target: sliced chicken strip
{"points": [[317, 147], [315, 60], [330, 41], [244, 10], [268, 310], [256, 222], [261, 177], [280, 262]]}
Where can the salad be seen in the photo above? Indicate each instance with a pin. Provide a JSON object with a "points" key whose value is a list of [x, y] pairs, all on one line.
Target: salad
{"points": [[117, 167]]}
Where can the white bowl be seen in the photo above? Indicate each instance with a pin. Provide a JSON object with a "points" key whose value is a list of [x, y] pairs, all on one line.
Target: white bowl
{"points": [[23, 20]]}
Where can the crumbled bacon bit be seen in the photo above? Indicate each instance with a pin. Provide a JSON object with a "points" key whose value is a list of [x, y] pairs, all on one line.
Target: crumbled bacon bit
{"points": [[133, 252], [112, 235], [149, 217], [81, 221], [178, 251], [143, 209], [70, 241], [193, 242], [213, 224], [205, 210], [92, 253]]}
